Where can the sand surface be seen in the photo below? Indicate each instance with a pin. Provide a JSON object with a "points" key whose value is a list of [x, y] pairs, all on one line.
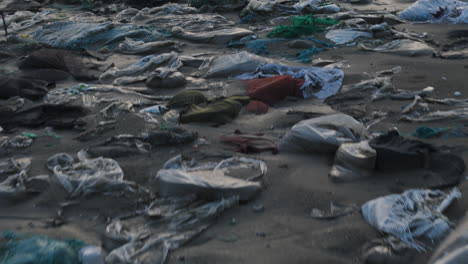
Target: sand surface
{"points": [[295, 183]]}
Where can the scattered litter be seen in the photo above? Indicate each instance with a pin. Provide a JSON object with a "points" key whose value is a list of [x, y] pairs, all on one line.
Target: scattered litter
{"points": [[412, 214]]}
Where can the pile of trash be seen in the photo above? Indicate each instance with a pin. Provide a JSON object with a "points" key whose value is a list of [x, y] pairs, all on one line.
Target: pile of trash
{"points": [[179, 111]]}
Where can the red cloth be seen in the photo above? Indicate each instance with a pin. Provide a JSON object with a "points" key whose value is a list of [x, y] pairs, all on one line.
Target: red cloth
{"points": [[257, 107], [274, 89]]}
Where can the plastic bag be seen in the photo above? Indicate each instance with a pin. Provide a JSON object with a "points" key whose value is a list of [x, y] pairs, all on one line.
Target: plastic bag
{"points": [[454, 249], [177, 222], [233, 64], [220, 36], [88, 176], [211, 180], [344, 36], [130, 46], [437, 11], [322, 134], [412, 214], [165, 63], [78, 36], [404, 47], [353, 161]]}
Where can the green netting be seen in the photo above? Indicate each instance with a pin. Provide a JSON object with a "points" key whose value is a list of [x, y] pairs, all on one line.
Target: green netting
{"points": [[302, 26], [39, 250]]}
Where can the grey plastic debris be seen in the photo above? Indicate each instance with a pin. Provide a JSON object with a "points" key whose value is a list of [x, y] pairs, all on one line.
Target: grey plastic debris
{"points": [[130, 46], [166, 63], [113, 110], [322, 134], [412, 214], [403, 47], [10, 144], [221, 36], [344, 36], [353, 161], [91, 255], [459, 114], [437, 11], [232, 64], [454, 249], [211, 180], [88, 176], [150, 242], [387, 250]]}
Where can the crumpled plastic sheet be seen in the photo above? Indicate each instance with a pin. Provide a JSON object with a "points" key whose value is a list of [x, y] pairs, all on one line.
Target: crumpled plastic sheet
{"points": [[114, 109], [87, 176], [437, 11], [232, 64], [412, 214], [459, 114], [316, 6], [212, 179], [329, 81], [219, 36], [192, 22], [323, 134], [130, 46], [261, 5], [150, 241], [164, 63], [78, 36], [344, 36], [21, 20], [403, 47], [10, 144]]}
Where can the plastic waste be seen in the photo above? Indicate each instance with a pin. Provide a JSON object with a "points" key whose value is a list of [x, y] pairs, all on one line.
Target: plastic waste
{"points": [[302, 26], [232, 64], [403, 47], [10, 144], [353, 161], [387, 250], [130, 46], [126, 145], [91, 255], [88, 176], [459, 114], [78, 36], [412, 214], [220, 36], [164, 63], [322, 134], [176, 221], [453, 250], [327, 81], [344, 36], [211, 180], [437, 11], [316, 6], [40, 250], [261, 5]]}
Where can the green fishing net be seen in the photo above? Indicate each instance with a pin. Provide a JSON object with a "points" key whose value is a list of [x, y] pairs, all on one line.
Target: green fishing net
{"points": [[302, 26]]}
